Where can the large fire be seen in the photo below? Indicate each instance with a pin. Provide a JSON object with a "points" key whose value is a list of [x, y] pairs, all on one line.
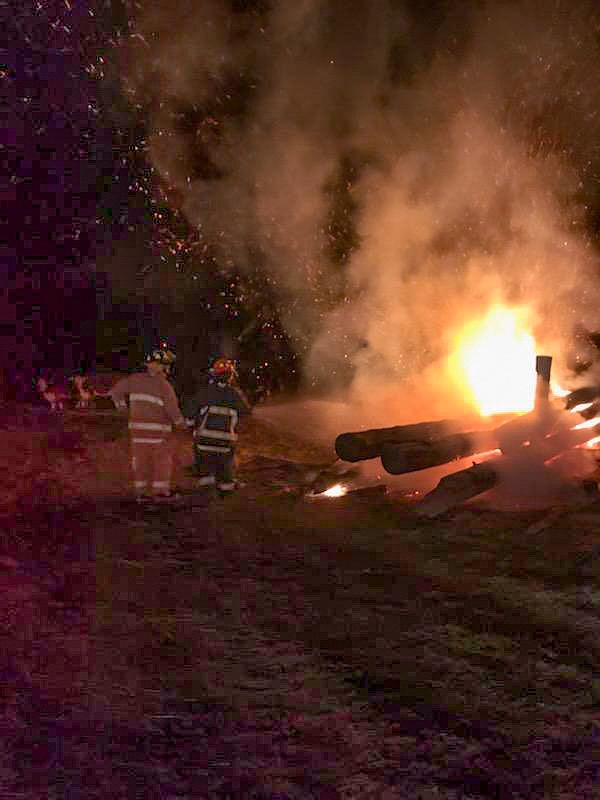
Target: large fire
{"points": [[494, 361]]}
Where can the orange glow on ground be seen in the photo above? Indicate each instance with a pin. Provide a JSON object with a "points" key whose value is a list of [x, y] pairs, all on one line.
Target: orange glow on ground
{"points": [[494, 360]]}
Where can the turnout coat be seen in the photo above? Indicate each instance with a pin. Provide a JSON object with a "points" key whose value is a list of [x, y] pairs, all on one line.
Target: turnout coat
{"points": [[216, 410], [153, 406]]}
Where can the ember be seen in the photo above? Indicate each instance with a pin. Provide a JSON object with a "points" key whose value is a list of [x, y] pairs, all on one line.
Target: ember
{"points": [[337, 490]]}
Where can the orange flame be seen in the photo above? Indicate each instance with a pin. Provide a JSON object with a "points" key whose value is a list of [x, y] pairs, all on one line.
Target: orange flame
{"points": [[494, 358]]}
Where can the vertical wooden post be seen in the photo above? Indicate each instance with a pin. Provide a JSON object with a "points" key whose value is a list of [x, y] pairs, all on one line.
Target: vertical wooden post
{"points": [[543, 367]]}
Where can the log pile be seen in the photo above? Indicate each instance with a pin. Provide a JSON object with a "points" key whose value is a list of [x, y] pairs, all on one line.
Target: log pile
{"points": [[536, 437], [364, 445]]}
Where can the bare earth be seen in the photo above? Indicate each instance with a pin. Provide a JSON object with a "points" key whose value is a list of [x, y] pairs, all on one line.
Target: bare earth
{"points": [[277, 646]]}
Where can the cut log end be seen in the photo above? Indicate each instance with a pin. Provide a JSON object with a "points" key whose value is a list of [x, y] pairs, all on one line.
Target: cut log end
{"points": [[363, 445]]}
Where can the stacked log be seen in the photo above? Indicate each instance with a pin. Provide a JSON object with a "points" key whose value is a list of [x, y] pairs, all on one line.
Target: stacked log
{"points": [[363, 445], [459, 487], [543, 368], [398, 459], [587, 394], [542, 435]]}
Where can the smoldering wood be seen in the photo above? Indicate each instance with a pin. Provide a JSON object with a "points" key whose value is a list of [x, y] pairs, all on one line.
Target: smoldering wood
{"points": [[458, 487], [377, 490], [565, 439], [302, 476], [400, 458], [461, 486], [319, 480], [362, 445], [532, 427], [586, 394], [543, 368], [591, 412]]}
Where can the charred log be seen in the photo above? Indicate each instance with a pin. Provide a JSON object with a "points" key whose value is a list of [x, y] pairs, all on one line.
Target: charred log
{"points": [[362, 445], [543, 368], [400, 458], [532, 428], [320, 480], [564, 440], [591, 412], [586, 394], [459, 487]]}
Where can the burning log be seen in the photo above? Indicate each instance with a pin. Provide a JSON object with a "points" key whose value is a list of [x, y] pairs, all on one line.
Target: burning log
{"points": [[320, 480], [459, 487], [591, 412], [528, 444], [362, 445], [400, 458], [564, 440], [531, 427], [587, 394], [543, 368]]}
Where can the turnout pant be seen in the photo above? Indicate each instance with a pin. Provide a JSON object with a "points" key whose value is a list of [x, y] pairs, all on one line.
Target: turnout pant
{"points": [[151, 464], [214, 468]]}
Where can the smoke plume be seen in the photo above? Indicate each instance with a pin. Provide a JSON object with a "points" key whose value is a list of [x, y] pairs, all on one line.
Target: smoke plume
{"points": [[392, 172]]}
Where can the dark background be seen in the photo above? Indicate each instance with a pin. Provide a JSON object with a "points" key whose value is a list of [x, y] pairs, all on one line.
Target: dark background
{"points": [[86, 279]]}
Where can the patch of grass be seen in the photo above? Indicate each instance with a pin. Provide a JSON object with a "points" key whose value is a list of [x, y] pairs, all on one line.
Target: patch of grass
{"points": [[464, 642]]}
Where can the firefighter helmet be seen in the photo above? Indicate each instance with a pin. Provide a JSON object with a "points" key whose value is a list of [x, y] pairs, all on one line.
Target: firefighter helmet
{"points": [[223, 368]]}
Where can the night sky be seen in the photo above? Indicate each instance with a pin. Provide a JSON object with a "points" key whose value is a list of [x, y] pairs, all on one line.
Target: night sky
{"points": [[56, 149], [106, 230], [92, 247]]}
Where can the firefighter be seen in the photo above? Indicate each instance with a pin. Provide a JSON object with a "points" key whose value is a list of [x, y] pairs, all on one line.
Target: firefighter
{"points": [[214, 413], [153, 411]]}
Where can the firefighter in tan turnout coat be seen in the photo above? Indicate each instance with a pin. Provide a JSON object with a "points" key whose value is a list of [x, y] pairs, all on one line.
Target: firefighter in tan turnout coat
{"points": [[153, 411]]}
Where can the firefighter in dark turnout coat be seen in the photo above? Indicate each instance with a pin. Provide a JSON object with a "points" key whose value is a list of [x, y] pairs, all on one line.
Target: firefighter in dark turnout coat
{"points": [[214, 413]]}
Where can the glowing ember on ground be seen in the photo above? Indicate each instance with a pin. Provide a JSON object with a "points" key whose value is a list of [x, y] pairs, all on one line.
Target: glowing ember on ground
{"points": [[337, 490], [494, 358], [487, 454]]}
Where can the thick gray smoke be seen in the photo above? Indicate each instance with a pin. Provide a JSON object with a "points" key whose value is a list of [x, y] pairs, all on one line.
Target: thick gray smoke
{"points": [[459, 139]]}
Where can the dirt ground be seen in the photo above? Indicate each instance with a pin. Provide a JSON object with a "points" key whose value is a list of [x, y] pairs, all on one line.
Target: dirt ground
{"points": [[273, 645]]}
